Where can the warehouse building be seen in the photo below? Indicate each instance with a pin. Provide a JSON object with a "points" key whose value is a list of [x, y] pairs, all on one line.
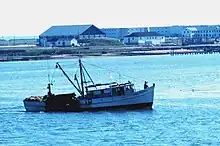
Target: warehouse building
{"points": [[67, 35]]}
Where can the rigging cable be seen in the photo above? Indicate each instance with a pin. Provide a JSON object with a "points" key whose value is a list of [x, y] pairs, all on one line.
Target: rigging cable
{"points": [[52, 76], [48, 74], [112, 71]]}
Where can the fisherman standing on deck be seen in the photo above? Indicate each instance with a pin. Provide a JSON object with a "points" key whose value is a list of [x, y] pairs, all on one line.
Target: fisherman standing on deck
{"points": [[49, 89], [145, 85]]}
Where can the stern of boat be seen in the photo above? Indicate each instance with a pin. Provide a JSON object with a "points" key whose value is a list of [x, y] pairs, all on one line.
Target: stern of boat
{"points": [[34, 104]]}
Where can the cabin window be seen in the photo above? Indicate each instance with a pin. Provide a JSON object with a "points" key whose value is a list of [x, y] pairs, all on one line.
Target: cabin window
{"points": [[121, 91], [90, 93], [97, 92], [107, 91], [114, 92]]}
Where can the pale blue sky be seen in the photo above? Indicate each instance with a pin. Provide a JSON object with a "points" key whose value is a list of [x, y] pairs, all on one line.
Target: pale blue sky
{"points": [[32, 17]]}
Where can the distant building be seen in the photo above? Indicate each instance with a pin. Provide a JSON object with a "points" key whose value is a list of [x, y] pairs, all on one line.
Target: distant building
{"points": [[164, 30], [67, 35], [116, 33], [3, 42], [14, 42], [70, 34], [119, 33], [172, 41], [176, 34], [207, 34], [189, 32], [188, 35], [33, 41], [144, 38], [137, 29], [67, 42], [168, 30], [201, 34]]}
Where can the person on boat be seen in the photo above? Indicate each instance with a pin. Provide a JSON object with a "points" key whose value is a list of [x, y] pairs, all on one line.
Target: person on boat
{"points": [[145, 85], [49, 90]]}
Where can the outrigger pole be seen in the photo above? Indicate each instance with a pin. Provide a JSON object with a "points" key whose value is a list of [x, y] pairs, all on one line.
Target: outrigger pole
{"points": [[81, 76], [80, 92]]}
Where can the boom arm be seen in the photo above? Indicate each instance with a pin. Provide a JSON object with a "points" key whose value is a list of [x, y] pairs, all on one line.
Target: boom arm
{"points": [[58, 66]]}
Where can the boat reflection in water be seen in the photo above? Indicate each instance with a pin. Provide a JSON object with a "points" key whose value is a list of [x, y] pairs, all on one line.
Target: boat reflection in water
{"points": [[92, 96]]}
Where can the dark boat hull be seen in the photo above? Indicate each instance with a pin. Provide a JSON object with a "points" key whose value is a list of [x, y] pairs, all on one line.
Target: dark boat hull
{"points": [[52, 108], [126, 107]]}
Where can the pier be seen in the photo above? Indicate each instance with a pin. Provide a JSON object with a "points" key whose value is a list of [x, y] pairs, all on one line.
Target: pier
{"points": [[196, 49]]}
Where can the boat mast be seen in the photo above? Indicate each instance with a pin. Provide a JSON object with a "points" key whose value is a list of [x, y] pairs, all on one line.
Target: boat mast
{"points": [[81, 76]]}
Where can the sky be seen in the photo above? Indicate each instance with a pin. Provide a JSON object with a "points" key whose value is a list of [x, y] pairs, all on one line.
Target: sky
{"points": [[32, 17]]}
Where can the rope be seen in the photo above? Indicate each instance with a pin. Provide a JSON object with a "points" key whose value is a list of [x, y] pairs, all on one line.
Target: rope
{"points": [[113, 71], [53, 74], [52, 77]]}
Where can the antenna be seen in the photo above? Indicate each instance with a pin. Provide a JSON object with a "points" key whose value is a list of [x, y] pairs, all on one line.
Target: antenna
{"points": [[48, 74], [49, 81], [119, 77]]}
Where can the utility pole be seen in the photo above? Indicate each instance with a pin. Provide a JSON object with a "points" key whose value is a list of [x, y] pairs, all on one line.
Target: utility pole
{"points": [[14, 41]]}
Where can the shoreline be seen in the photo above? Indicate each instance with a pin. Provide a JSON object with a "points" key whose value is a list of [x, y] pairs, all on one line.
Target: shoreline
{"points": [[37, 53]]}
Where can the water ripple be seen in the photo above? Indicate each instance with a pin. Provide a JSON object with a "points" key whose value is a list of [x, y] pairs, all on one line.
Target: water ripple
{"points": [[181, 116]]}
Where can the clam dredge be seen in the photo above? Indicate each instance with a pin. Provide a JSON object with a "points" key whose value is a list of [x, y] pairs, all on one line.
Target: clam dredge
{"points": [[92, 97]]}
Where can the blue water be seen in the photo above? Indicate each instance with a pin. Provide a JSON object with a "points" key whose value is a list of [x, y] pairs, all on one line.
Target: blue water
{"points": [[186, 108]]}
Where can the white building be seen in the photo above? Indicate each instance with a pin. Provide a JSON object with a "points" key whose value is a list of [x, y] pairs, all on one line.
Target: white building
{"points": [[144, 38], [173, 41], [66, 42]]}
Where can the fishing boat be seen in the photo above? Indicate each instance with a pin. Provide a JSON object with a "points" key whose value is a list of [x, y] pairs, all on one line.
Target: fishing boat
{"points": [[92, 97]]}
